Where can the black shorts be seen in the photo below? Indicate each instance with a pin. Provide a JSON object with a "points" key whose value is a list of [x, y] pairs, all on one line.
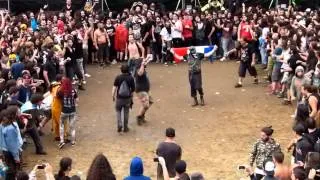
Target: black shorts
{"points": [[244, 66]]}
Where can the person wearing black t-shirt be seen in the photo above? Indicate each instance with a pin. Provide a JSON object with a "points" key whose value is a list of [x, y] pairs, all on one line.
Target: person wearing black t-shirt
{"points": [[313, 132], [123, 88], [51, 68], [71, 65], [303, 145], [146, 32], [247, 61], [142, 90], [170, 151], [111, 32]]}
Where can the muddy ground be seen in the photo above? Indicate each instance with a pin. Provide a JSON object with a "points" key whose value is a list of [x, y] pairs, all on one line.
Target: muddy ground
{"points": [[215, 138]]}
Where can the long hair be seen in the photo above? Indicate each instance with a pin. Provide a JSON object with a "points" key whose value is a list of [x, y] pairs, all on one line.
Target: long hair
{"points": [[65, 165], [66, 86], [100, 169]]}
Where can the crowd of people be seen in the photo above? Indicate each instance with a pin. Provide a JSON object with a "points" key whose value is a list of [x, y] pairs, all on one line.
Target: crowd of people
{"points": [[44, 57]]}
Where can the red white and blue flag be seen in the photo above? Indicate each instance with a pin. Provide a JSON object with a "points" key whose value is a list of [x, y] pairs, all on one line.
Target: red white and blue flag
{"points": [[178, 53]]}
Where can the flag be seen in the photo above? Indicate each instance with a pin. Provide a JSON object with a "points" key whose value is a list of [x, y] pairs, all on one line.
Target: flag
{"points": [[178, 53]]}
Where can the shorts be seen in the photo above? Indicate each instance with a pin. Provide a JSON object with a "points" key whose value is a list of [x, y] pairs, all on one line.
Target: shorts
{"points": [[276, 73], [244, 66], [144, 98]]}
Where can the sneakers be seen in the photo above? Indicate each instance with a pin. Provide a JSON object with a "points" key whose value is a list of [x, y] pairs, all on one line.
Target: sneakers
{"points": [[73, 143], [84, 82], [139, 120], [202, 101], [114, 62], [87, 75], [281, 95], [222, 59], [195, 102], [238, 85], [61, 145]]}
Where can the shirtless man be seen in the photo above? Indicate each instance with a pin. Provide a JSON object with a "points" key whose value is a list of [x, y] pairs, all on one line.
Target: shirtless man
{"points": [[135, 51], [85, 46], [102, 44]]}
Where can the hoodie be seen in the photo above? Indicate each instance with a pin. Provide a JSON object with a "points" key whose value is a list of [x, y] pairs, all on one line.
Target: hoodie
{"points": [[34, 24], [136, 170]]}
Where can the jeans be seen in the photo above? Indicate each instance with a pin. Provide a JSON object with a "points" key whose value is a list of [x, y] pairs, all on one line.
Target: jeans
{"points": [[156, 50], [73, 69], [166, 54], [132, 63], [264, 56], [80, 65], [34, 134], [123, 116], [225, 45], [71, 117], [103, 53], [13, 167], [85, 60]]}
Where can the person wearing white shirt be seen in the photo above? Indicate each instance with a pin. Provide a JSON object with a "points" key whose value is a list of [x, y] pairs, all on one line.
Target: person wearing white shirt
{"points": [[166, 37], [177, 28]]}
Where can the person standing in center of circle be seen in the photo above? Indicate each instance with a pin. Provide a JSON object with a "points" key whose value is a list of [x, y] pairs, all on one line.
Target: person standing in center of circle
{"points": [[195, 78]]}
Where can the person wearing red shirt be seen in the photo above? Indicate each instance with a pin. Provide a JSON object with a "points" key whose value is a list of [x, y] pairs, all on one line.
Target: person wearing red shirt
{"points": [[245, 29], [187, 30]]}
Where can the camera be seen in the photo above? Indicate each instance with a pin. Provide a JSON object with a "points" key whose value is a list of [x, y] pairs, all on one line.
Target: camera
{"points": [[156, 159]]}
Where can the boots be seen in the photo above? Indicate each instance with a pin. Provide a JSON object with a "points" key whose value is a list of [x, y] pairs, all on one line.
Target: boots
{"points": [[201, 101], [143, 119], [195, 102], [139, 120]]}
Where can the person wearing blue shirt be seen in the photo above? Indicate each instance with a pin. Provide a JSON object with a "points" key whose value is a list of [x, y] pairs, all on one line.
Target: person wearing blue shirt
{"points": [[10, 140], [33, 23]]}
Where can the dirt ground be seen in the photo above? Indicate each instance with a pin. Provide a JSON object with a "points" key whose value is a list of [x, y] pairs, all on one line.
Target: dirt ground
{"points": [[215, 138]]}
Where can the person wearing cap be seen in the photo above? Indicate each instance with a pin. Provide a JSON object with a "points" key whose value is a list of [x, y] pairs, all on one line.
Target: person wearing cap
{"points": [[181, 168], [268, 170], [195, 77], [170, 151], [262, 151]]}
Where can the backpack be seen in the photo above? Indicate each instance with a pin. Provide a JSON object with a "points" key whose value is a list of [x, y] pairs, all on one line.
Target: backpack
{"points": [[124, 90]]}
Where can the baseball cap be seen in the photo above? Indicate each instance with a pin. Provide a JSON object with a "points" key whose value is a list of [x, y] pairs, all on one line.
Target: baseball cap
{"points": [[269, 168]]}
